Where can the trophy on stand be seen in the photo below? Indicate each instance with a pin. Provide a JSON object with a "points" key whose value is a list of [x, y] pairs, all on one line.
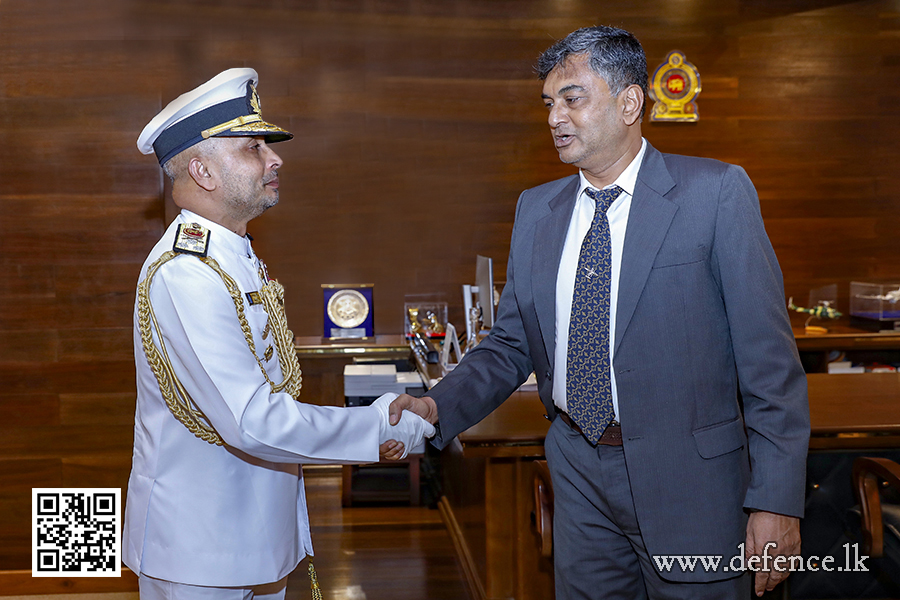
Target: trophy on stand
{"points": [[426, 326]]}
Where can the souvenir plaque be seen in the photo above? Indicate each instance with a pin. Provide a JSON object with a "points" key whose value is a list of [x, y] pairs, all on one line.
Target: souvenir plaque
{"points": [[674, 87], [348, 311]]}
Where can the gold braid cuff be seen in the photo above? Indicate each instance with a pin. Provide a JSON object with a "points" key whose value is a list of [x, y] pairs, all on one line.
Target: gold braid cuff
{"points": [[173, 392]]}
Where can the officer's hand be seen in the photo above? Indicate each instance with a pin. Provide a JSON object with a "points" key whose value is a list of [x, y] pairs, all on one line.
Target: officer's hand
{"points": [[391, 450], [410, 430]]}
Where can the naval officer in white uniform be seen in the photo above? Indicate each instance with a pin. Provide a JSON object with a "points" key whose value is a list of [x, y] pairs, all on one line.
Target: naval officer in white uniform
{"points": [[215, 505]]}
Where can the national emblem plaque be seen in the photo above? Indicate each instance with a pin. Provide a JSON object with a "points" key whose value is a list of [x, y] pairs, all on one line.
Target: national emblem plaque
{"points": [[674, 87]]}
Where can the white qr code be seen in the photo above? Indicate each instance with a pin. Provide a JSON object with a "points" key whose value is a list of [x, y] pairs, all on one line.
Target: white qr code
{"points": [[75, 532]]}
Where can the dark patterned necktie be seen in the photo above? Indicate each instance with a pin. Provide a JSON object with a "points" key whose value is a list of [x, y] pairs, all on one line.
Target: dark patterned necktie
{"points": [[588, 391]]}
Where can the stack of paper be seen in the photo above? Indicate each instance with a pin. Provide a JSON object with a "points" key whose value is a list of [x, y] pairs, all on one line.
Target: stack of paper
{"points": [[375, 380], [844, 366]]}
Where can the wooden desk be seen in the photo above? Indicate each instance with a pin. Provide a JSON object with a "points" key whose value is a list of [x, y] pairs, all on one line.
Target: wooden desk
{"points": [[859, 345], [382, 345], [323, 383], [854, 411], [487, 501], [376, 491], [843, 337], [488, 475], [516, 429], [323, 363]]}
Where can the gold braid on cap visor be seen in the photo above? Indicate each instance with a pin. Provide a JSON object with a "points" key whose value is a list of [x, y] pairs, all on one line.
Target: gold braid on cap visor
{"points": [[173, 392], [238, 122]]}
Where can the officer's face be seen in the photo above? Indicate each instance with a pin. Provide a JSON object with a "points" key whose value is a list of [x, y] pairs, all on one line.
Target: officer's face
{"points": [[249, 176]]}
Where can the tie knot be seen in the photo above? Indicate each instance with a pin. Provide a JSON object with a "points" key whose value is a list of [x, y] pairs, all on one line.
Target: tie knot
{"points": [[604, 198]]}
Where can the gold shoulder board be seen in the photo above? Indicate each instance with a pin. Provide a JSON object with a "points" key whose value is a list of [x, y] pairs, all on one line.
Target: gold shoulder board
{"points": [[192, 238]]}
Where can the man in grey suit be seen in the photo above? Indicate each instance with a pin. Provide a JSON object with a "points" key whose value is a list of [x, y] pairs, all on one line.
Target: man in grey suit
{"points": [[662, 348]]}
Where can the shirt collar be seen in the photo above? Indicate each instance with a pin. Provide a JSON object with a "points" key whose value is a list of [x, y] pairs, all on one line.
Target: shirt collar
{"points": [[626, 180], [221, 235]]}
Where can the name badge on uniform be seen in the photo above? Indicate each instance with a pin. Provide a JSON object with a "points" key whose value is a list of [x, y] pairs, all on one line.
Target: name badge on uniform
{"points": [[192, 238], [254, 298]]}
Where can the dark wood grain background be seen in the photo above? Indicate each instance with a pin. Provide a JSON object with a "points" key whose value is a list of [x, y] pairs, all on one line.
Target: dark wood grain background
{"points": [[417, 124]]}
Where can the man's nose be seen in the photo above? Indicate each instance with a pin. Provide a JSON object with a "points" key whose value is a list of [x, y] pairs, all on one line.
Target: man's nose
{"points": [[557, 115], [273, 161]]}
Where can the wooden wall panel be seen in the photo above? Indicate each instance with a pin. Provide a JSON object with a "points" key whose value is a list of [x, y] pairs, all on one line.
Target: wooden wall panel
{"points": [[29, 410], [18, 476], [417, 124]]}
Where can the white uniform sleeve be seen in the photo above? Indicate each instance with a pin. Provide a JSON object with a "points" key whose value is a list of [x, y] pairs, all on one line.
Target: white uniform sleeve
{"points": [[211, 358]]}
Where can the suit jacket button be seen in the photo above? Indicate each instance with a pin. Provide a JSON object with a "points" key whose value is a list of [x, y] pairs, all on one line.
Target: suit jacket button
{"points": [[549, 375]]}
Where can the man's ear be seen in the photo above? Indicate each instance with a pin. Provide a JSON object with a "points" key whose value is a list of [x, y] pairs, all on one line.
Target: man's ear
{"points": [[201, 174], [631, 101]]}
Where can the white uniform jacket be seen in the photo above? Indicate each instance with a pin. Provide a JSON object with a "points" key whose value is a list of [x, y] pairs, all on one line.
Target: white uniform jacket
{"points": [[235, 514]]}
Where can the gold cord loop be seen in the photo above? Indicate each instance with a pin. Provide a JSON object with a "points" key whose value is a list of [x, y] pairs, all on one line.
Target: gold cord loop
{"points": [[173, 392]]}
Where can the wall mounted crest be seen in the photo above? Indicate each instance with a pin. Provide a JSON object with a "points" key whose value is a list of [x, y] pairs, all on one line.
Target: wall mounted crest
{"points": [[674, 86]]}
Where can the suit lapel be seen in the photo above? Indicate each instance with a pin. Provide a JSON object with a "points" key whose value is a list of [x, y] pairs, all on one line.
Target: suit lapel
{"points": [[549, 237], [648, 221]]}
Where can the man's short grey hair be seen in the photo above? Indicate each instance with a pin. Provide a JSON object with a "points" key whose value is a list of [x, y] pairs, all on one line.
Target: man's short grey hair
{"points": [[174, 166], [615, 55], [178, 164]]}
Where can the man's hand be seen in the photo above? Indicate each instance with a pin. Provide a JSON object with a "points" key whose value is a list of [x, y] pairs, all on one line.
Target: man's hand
{"points": [[399, 439], [770, 536], [424, 407], [391, 450]]}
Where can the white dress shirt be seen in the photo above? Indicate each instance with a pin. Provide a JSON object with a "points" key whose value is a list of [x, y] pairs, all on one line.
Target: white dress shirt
{"points": [[568, 265]]}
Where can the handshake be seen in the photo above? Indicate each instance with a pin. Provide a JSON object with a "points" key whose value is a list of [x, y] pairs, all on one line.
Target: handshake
{"points": [[403, 431]]}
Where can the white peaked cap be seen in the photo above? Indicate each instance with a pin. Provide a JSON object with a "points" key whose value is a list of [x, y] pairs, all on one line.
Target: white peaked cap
{"points": [[225, 106]]}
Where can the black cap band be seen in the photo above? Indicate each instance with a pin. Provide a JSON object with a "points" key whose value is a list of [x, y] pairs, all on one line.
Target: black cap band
{"points": [[186, 133], [237, 117]]}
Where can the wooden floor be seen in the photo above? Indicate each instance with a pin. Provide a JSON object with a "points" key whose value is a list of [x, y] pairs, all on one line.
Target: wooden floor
{"points": [[362, 552], [376, 552]]}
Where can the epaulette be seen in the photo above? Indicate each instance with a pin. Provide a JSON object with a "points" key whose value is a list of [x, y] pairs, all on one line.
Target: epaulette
{"points": [[192, 238]]}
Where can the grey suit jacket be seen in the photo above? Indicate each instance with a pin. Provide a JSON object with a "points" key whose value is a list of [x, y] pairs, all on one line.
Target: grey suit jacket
{"points": [[712, 396]]}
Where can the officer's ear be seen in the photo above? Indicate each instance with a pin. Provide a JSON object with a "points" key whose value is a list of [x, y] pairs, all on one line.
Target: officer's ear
{"points": [[201, 174]]}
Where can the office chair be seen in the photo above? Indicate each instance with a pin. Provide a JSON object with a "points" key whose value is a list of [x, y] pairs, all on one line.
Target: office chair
{"points": [[542, 516], [876, 483]]}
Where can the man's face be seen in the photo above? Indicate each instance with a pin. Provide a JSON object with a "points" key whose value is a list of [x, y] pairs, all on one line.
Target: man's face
{"points": [[249, 176], [584, 118]]}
